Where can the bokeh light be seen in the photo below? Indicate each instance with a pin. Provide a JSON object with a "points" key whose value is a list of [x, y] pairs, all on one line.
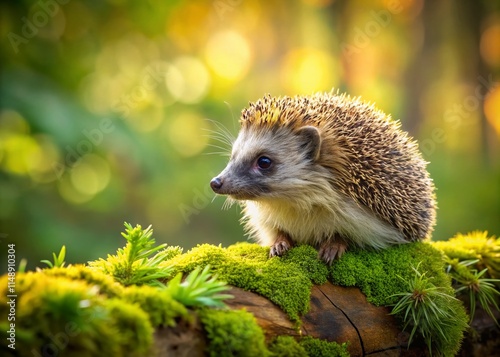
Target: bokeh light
{"points": [[490, 44], [188, 80], [186, 134], [167, 77], [228, 55], [309, 70], [492, 108]]}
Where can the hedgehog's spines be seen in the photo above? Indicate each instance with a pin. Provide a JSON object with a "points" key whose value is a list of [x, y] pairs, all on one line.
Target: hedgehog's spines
{"points": [[370, 158]]}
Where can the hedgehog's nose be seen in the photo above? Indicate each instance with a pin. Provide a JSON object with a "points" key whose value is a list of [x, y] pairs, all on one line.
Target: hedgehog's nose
{"points": [[216, 184]]}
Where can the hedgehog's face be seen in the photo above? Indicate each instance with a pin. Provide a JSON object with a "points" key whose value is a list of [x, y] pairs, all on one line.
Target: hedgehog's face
{"points": [[269, 163]]}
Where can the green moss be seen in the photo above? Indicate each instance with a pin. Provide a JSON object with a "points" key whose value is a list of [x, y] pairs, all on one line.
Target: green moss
{"points": [[106, 284], [161, 308], [133, 329], [382, 274], [287, 346], [449, 344], [475, 245], [170, 252], [306, 257], [88, 313], [321, 348], [233, 333], [61, 316], [284, 281]]}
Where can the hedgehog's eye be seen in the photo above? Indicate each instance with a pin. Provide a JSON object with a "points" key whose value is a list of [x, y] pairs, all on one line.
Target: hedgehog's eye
{"points": [[264, 162]]}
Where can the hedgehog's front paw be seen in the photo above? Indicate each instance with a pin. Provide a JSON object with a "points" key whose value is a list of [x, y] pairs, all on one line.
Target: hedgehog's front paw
{"points": [[281, 245], [330, 250]]}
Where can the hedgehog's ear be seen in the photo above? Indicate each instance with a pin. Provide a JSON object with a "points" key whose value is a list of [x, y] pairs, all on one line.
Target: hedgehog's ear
{"points": [[310, 141]]}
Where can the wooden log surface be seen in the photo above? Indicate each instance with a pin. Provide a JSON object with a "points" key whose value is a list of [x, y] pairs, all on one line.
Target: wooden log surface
{"points": [[337, 314]]}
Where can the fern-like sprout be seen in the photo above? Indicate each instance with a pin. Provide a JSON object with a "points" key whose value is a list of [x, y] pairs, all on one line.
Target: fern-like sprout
{"points": [[426, 309], [198, 289], [471, 280], [58, 259], [139, 261]]}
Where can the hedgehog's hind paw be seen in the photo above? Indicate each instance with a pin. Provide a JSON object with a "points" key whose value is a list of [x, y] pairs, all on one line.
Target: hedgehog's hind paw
{"points": [[330, 250], [281, 245]]}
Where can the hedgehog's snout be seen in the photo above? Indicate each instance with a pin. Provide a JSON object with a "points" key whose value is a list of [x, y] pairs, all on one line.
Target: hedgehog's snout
{"points": [[216, 184]]}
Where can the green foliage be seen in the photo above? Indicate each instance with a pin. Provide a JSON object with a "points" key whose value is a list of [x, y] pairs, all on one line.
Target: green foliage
{"points": [[105, 283], [114, 309], [306, 257], [133, 329], [233, 333], [162, 309], [320, 348], [472, 283], [287, 346], [283, 281], [431, 311], [388, 277], [474, 246], [139, 262], [63, 316], [199, 289], [58, 259], [474, 264], [376, 273]]}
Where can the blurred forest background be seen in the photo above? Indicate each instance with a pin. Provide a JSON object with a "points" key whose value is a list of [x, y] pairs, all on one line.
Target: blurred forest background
{"points": [[107, 106]]}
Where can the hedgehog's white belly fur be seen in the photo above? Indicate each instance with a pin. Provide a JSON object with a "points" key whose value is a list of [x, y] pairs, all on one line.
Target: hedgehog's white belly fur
{"points": [[315, 224]]}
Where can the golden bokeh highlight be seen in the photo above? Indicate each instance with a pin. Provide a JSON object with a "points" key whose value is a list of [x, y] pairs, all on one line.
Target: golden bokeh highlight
{"points": [[188, 80], [149, 118], [24, 154], [186, 134], [309, 70], [492, 108], [318, 3], [42, 160], [69, 193], [490, 45], [228, 55], [128, 75], [89, 176]]}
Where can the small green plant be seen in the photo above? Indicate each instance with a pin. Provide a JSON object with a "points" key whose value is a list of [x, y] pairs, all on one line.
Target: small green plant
{"points": [[139, 261], [471, 280], [58, 259], [422, 307], [198, 289], [474, 245]]}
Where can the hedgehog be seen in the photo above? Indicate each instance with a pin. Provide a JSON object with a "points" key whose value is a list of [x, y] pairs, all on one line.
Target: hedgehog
{"points": [[330, 171]]}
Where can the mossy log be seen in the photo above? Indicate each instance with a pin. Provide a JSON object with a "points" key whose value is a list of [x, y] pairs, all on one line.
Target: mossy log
{"points": [[293, 305], [340, 314], [337, 314]]}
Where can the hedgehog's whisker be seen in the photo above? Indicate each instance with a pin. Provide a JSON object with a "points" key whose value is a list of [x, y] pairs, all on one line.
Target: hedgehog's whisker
{"points": [[232, 114], [220, 138], [222, 131], [228, 203], [218, 147], [221, 153]]}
